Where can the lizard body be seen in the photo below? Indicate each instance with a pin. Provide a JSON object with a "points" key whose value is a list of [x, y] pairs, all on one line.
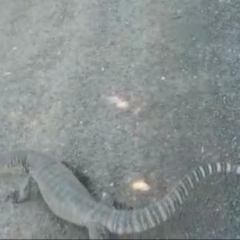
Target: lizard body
{"points": [[68, 199]]}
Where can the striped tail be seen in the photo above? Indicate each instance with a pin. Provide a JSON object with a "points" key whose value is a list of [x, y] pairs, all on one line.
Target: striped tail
{"points": [[139, 220]]}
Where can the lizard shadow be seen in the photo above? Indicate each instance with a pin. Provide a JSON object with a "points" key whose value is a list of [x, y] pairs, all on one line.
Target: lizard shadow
{"points": [[85, 180]]}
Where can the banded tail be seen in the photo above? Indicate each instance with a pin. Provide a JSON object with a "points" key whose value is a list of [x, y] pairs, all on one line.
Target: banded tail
{"points": [[139, 220]]}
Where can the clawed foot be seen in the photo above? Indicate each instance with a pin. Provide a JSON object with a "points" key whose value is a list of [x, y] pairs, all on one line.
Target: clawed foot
{"points": [[13, 196], [21, 194]]}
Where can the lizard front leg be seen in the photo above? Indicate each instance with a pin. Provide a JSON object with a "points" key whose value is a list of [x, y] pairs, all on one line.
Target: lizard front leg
{"points": [[22, 193]]}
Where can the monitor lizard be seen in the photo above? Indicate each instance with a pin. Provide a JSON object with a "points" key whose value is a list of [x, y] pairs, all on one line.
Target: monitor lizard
{"points": [[68, 199]]}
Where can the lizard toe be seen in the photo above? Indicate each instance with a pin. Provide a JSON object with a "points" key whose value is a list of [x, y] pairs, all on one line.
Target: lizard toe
{"points": [[13, 196]]}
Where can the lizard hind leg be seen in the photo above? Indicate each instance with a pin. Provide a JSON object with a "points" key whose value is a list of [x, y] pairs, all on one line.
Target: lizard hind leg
{"points": [[107, 199], [96, 230], [22, 193]]}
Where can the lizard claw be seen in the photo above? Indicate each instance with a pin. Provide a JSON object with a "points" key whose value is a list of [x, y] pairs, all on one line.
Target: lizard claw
{"points": [[12, 196]]}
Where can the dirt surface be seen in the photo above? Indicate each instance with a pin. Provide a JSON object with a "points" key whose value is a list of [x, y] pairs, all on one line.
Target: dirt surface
{"points": [[124, 88]]}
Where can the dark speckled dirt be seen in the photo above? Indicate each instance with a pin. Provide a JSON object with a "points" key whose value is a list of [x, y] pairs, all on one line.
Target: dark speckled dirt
{"points": [[123, 88]]}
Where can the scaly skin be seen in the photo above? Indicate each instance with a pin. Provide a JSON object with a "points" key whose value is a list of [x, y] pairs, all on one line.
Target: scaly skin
{"points": [[64, 194], [70, 200]]}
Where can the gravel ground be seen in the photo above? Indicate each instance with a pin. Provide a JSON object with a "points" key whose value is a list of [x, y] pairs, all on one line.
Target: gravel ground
{"points": [[124, 88]]}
